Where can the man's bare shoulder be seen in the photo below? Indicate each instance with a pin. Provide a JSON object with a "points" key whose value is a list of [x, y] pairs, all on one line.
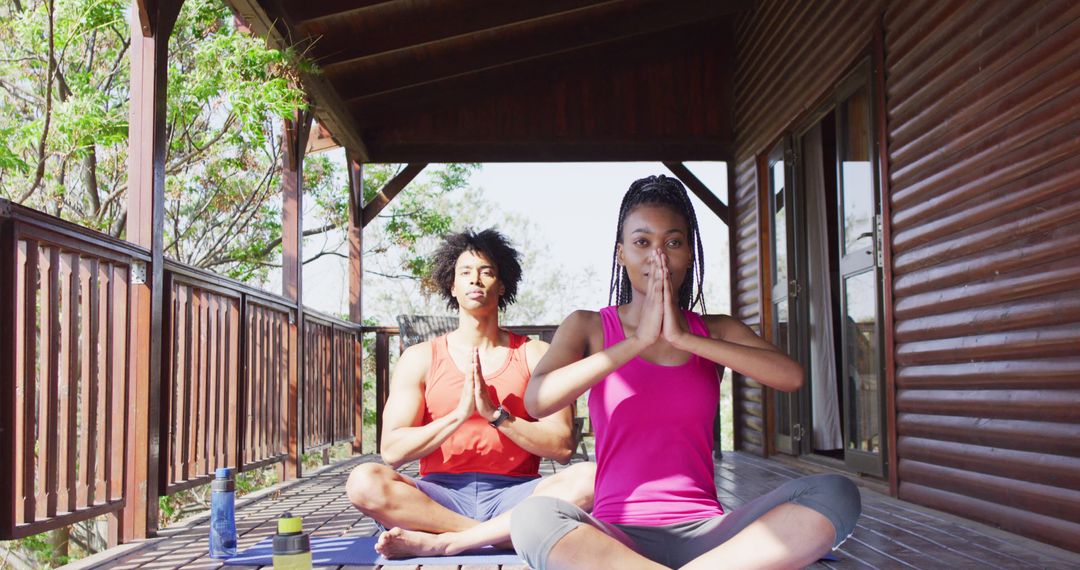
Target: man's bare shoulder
{"points": [[414, 363], [536, 346]]}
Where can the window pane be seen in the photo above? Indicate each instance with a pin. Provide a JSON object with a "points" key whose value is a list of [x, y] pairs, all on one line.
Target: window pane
{"points": [[779, 225], [780, 338], [780, 324], [862, 367], [856, 174]]}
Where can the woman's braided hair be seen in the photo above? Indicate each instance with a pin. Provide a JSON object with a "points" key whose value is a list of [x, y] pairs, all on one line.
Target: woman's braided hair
{"points": [[665, 191]]}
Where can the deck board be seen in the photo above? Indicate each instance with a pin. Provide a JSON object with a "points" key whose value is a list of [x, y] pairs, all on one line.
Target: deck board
{"points": [[890, 534]]}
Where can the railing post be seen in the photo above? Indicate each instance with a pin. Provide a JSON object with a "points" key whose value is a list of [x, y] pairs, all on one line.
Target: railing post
{"points": [[151, 25], [295, 137], [9, 304], [356, 278], [382, 382], [240, 379]]}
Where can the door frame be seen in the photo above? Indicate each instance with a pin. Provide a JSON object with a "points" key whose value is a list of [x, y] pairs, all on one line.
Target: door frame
{"points": [[792, 439], [865, 72]]}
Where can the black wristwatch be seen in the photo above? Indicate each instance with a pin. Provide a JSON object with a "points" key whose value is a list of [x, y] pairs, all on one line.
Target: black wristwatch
{"points": [[501, 414]]}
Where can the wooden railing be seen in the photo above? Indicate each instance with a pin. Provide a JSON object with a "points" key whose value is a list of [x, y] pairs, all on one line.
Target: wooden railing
{"points": [[248, 379], [232, 358], [332, 391], [234, 390], [64, 371]]}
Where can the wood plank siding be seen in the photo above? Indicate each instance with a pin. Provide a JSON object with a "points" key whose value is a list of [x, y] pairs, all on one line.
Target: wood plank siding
{"points": [[984, 152], [788, 56], [982, 140]]}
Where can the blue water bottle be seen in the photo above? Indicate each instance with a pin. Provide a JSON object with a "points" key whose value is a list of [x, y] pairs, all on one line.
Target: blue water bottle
{"points": [[223, 514]]}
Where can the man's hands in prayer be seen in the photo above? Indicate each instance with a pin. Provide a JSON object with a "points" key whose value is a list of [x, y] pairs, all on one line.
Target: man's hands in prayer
{"points": [[481, 392], [475, 393], [467, 402]]}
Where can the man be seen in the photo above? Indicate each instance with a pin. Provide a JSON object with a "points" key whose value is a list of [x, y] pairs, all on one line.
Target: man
{"points": [[456, 404]]}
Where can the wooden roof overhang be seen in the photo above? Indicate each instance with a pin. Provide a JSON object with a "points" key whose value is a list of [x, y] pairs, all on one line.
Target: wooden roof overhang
{"points": [[515, 80]]}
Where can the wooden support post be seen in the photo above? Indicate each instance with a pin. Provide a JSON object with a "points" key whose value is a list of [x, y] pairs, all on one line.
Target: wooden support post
{"points": [[765, 283], [10, 378], [356, 278], [292, 271], [151, 25], [733, 290], [881, 144], [382, 382]]}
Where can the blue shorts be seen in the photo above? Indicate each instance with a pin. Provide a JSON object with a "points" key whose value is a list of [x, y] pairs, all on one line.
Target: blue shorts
{"points": [[479, 496]]}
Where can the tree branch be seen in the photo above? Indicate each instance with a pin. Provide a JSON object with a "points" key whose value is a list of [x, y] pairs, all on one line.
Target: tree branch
{"points": [[90, 179], [118, 227], [325, 253], [179, 162], [249, 207], [389, 276], [39, 173], [120, 58], [307, 233]]}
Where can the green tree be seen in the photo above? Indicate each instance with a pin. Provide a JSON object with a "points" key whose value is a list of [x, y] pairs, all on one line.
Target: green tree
{"points": [[64, 94]]}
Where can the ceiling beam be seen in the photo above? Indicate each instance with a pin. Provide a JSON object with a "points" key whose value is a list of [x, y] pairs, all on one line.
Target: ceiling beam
{"points": [[389, 191], [397, 25], [328, 107], [554, 150], [718, 207], [422, 102], [516, 43], [300, 11]]}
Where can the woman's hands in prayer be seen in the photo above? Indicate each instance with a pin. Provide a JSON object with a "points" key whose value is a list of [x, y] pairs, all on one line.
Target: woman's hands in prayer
{"points": [[661, 316]]}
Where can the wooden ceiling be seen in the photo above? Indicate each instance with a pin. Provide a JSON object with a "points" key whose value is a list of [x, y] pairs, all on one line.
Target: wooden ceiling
{"points": [[514, 80]]}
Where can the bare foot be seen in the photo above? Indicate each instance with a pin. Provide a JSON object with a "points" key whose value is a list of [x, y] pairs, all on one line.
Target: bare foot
{"points": [[401, 543]]}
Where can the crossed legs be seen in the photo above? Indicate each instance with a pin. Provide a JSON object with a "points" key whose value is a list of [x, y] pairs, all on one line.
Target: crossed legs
{"points": [[789, 527], [419, 526]]}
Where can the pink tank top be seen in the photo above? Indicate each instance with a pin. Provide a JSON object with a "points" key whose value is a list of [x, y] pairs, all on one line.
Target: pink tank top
{"points": [[654, 436]]}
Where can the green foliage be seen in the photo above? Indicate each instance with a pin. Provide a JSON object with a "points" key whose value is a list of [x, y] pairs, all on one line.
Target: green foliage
{"points": [[38, 548], [251, 481], [64, 94], [168, 506]]}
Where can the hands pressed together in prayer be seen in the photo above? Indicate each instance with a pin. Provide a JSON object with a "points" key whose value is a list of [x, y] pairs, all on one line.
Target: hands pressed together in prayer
{"points": [[475, 393], [661, 317]]}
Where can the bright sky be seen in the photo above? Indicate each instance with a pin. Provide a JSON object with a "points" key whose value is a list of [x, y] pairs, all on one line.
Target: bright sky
{"points": [[577, 205], [574, 205]]}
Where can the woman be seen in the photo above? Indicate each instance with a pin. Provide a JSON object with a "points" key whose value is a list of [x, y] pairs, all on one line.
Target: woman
{"points": [[652, 367]]}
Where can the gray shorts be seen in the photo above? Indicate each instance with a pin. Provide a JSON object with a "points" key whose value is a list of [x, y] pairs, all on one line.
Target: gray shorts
{"points": [[479, 496], [540, 522]]}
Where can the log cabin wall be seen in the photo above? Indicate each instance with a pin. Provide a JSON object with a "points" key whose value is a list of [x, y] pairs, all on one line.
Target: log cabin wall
{"points": [[788, 55], [983, 134], [984, 152]]}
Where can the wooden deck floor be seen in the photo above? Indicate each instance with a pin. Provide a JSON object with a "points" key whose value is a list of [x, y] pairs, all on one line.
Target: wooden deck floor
{"points": [[891, 533]]}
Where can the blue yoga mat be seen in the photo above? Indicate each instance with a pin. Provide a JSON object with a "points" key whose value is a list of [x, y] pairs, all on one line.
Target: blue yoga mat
{"points": [[360, 550]]}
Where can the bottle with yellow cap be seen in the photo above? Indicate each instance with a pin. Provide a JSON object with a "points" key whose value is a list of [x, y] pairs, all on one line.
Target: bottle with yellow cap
{"points": [[292, 547]]}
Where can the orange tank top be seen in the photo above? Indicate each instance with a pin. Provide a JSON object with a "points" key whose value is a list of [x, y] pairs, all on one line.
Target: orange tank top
{"points": [[476, 447]]}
